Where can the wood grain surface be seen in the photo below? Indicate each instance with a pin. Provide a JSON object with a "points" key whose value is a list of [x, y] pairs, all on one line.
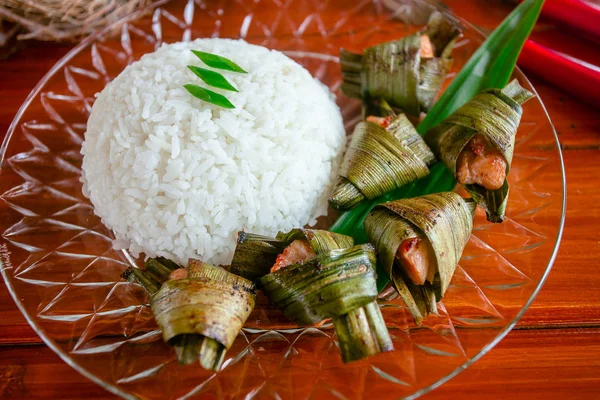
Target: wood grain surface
{"points": [[555, 350]]}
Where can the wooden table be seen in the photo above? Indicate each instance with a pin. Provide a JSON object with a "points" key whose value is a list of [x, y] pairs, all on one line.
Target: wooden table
{"points": [[553, 353]]}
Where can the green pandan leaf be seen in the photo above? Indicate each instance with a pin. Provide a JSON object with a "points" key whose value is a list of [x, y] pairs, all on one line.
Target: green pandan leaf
{"points": [[209, 96], [215, 61], [212, 78]]}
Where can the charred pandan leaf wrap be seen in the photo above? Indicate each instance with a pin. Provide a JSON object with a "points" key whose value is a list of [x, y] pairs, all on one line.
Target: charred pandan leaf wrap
{"points": [[477, 143], [409, 72], [380, 159], [320, 241], [338, 284], [201, 313], [255, 254], [419, 242]]}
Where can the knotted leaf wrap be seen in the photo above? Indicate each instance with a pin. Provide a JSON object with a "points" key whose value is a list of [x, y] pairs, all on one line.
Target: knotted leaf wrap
{"points": [[202, 315], [334, 283], [444, 219], [338, 284], [379, 160], [496, 115], [396, 72]]}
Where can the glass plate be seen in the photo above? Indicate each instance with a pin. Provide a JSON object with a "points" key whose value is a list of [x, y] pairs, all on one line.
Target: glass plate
{"points": [[59, 266]]}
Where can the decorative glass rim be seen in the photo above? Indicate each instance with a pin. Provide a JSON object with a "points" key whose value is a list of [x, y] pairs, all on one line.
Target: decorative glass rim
{"points": [[116, 390]]}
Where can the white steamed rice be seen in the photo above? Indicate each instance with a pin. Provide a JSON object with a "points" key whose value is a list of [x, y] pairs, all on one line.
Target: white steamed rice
{"points": [[177, 177]]}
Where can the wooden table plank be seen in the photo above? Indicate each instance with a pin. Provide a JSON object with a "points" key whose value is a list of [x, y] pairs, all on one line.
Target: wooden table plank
{"points": [[37, 372], [564, 367], [571, 295], [518, 368]]}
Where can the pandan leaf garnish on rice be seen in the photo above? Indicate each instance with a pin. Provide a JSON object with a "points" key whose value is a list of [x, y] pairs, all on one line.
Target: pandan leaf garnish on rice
{"points": [[213, 78]]}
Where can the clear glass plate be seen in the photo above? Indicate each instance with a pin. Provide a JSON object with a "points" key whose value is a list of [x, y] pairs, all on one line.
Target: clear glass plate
{"points": [[59, 266]]}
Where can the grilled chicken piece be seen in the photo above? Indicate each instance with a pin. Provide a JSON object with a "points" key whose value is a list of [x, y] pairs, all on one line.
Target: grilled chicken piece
{"points": [[427, 50], [479, 163], [297, 252], [180, 273], [416, 257], [383, 122]]}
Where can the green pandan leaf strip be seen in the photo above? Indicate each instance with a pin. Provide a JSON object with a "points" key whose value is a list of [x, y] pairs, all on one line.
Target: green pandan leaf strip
{"points": [[215, 61], [212, 78], [209, 96]]}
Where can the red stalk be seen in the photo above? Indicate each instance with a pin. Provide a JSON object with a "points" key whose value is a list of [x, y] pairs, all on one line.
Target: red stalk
{"points": [[571, 74]]}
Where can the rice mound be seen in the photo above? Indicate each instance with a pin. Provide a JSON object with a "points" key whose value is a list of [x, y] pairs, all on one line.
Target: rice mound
{"points": [[177, 177]]}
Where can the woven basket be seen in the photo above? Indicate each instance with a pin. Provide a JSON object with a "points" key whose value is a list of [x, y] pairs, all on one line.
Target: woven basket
{"points": [[60, 20]]}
